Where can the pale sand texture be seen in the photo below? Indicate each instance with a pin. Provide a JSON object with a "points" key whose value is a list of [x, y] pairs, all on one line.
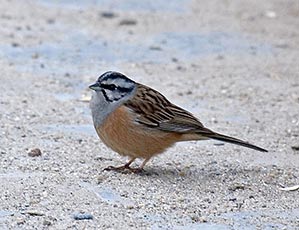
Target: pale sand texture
{"points": [[234, 64]]}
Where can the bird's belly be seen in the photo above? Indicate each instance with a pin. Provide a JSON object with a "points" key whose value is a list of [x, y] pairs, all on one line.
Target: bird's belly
{"points": [[123, 135]]}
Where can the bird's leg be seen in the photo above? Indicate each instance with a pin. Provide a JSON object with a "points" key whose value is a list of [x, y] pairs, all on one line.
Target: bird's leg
{"points": [[120, 168], [140, 168]]}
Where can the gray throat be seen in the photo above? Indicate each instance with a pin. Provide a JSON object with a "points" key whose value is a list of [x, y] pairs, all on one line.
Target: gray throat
{"points": [[101, 108]]}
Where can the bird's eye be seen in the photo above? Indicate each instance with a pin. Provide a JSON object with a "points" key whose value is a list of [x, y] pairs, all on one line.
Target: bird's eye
{"points": [[110, 86]]}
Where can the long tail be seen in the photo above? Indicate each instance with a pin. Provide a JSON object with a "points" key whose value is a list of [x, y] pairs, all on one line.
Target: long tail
{"points": [[221, 137]]}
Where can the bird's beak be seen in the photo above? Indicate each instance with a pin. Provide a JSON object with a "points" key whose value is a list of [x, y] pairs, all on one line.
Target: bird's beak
{"points": [[95, 86]]}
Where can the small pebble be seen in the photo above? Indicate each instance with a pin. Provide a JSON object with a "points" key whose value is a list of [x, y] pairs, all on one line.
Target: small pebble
{"points": [[195, 218], [295, 147], [158, 48], [270, 14], [100, 179], [35, 152], [127, 22], [236, 186], [14, 44], [108, 14], [20, 221], [203, 219], [34, 213], [182, 173], [35, 56], [83, 216], [179, 67], [47, 222], [51, 21]]}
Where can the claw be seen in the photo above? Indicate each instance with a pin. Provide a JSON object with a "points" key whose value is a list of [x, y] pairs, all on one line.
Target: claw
{"points": [[139, 170], [118, 168], [123, 168]]}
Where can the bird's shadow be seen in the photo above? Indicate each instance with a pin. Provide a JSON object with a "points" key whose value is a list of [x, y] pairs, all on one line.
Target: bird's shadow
{"points": [[194, 173]]}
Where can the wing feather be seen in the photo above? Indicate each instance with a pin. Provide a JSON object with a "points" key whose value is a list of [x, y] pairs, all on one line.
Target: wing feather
{"points": [[155, 111]]}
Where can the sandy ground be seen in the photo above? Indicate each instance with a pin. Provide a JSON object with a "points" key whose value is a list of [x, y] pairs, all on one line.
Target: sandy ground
{"points": [[234, 64]]}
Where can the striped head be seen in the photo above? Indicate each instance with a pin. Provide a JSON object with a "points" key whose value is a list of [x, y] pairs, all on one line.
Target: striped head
{"points": [[114, 86]]}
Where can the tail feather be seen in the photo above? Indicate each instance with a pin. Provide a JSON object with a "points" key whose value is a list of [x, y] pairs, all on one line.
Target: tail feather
{"points": [[232, 140]]}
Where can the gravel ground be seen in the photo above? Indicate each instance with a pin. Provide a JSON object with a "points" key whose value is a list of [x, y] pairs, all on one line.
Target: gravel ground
{"points": [[234, 64]]}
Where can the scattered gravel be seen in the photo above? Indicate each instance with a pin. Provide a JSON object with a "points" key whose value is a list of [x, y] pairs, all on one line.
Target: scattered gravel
{"points": [[234, 64]]}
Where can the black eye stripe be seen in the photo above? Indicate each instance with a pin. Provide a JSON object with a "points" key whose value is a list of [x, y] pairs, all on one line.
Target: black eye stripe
{"points": [[109, 86], [113, 87]]}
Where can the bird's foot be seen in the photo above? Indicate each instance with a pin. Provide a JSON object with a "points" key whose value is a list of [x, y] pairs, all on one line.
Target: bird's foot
{"points": [[117, 168], [125, 168]]}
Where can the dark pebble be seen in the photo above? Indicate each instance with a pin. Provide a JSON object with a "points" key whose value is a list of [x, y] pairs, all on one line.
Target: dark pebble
{"points": [[14, 44], [35, 152], [158, 48], [82, 216], [295, 147], [51, 21], [108, 15], [236, 187], [128, 22], [47, 222]]}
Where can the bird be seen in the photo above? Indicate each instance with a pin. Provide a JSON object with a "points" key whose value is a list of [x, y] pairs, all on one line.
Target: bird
{"points": [[137, 121]]}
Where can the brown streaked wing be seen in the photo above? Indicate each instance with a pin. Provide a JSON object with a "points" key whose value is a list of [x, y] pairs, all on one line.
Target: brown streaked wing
{"points": [[155, 111]]}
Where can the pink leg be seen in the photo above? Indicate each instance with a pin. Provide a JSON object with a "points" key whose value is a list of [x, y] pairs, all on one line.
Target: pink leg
{"points": [[140, 169], [121, 168]]}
